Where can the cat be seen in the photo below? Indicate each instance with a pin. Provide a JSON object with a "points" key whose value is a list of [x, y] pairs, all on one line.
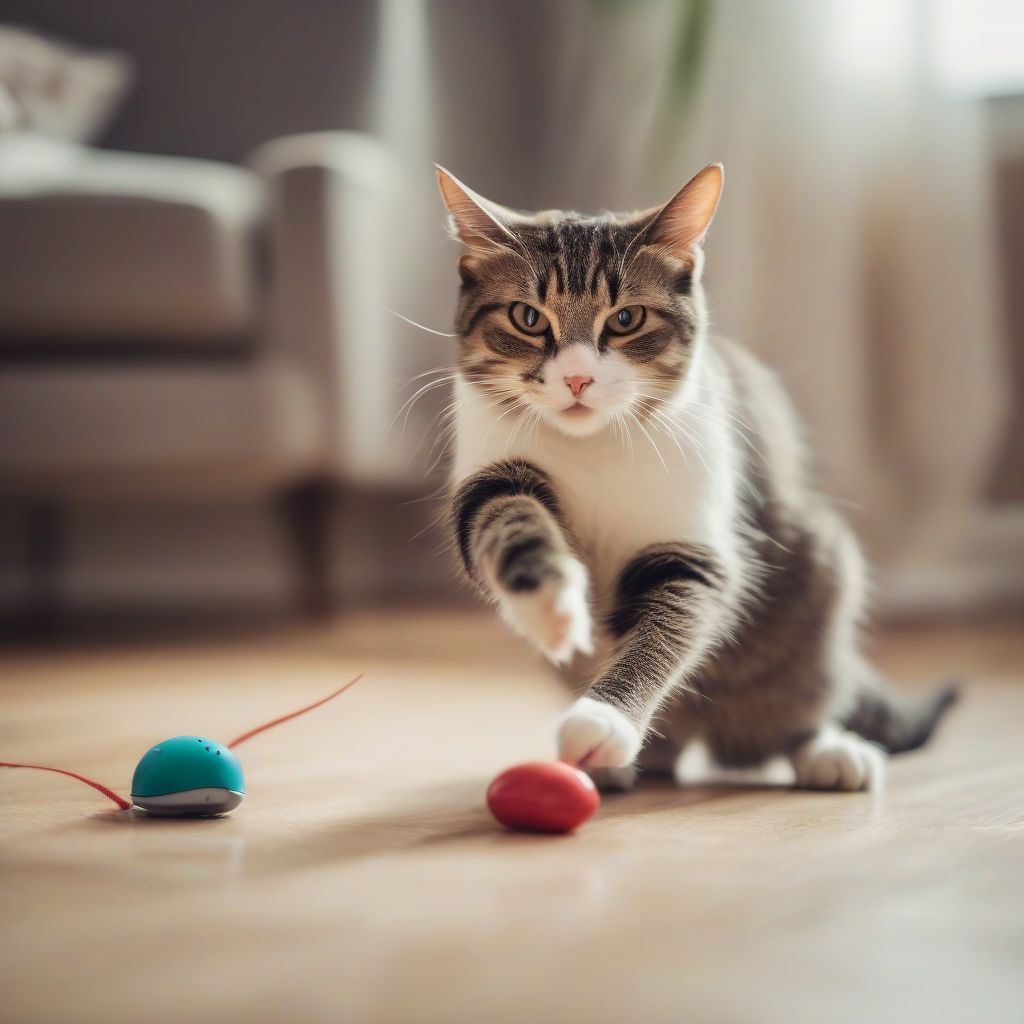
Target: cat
{"points": [[635, 497]]}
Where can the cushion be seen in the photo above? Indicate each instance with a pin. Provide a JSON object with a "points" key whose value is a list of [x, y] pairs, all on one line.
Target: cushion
{"points": [[117, 247], [60, 91], [198, 427]]}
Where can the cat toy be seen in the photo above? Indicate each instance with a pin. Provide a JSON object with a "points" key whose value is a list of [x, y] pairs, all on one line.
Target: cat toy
{"points": [[543, 796], [191, 776], [188, 776]]}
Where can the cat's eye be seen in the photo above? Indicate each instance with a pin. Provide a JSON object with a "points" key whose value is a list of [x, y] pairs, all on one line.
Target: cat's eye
{"points": [[529, 320], [627, 320]]}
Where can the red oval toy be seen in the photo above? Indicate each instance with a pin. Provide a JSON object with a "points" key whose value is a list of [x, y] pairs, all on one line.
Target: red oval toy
{"points": [[543, 796]]}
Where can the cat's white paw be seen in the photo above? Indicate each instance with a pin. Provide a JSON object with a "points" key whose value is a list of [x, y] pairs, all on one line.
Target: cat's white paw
{"points": [[595, 735], [836, 759], [555, 616]]}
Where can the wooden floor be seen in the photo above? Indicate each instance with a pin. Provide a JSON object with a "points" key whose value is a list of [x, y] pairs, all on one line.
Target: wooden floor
{"points": [[362, 879]]}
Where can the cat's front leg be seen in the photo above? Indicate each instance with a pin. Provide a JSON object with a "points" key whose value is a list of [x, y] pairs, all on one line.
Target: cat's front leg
{"points": [[508, 528], [672, 606]]}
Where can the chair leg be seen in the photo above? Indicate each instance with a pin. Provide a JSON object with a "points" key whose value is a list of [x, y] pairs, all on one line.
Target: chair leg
{"points": [[45, 542], [308, 512]]}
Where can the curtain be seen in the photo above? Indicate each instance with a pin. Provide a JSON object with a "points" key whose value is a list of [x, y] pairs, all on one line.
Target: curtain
{"points": [[853, 250]]}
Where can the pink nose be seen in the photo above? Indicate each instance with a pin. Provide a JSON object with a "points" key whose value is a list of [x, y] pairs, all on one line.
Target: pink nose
{"points": [[577, 385]]}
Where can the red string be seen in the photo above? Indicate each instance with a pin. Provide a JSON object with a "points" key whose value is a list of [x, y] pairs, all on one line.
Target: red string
{"points": [[108, 793], [126, 804], [294, 714]]}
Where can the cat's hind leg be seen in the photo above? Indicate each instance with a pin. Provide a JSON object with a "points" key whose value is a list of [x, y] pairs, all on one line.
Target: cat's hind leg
{"points": [[838, 760], [508, 528]]}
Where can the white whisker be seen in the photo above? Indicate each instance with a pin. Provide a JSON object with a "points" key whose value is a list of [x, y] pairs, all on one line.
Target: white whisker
{"points": [[408, 405], [646, 433], [406, 381], [422, 327]]}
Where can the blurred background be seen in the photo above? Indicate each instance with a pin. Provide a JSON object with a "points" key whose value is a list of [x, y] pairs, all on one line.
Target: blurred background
{"points": [[212, 213]]}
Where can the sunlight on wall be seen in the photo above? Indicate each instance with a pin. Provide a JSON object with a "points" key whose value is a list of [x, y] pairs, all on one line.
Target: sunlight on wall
{"points": [[968, 47], [871, 40], [977, 46]]}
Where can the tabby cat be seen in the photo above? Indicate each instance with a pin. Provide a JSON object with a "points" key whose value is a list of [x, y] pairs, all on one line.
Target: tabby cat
{"points": [[635, 498]]}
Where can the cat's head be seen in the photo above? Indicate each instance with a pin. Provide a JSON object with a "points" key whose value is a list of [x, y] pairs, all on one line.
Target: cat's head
{"points": [[581, 318]]}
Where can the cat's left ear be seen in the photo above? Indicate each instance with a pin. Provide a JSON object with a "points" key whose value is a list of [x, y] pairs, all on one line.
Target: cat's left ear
{"points": [[681, 224], [476, 222]]}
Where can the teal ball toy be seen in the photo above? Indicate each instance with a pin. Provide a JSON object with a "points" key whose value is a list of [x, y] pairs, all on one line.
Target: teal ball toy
{"points": [[186, 776]]}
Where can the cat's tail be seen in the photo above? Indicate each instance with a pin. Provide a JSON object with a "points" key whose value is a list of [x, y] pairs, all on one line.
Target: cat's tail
{"points": [[898, 721]]}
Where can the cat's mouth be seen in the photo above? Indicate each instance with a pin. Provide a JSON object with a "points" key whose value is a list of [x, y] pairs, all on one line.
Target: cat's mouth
{"points": [[577, 409], [577, 419]]}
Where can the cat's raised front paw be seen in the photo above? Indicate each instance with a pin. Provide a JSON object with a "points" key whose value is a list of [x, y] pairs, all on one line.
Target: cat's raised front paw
{"points": [[554, 616], [595, 735], [835, 759]]}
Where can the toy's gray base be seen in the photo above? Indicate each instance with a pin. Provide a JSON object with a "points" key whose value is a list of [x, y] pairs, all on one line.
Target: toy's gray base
{"points": [[214, 800]]}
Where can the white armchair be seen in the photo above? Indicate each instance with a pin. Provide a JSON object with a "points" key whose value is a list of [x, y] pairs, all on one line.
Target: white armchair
{"points": [[174, 327]]}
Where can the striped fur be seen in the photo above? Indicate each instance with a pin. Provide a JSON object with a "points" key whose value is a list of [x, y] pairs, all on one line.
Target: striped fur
{"points": [[507, 524], [666, 600], [639, 488]]}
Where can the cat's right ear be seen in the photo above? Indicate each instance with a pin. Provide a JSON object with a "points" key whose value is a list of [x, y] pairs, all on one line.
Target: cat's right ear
{"points": [[478, 223], [681, 224]]}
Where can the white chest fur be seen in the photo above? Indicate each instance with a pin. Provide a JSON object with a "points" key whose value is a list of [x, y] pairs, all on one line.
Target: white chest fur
{"points": [[622, 489]]}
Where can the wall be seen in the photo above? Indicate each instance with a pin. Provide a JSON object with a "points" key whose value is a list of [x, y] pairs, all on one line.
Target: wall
{"points": [[257, 69]]}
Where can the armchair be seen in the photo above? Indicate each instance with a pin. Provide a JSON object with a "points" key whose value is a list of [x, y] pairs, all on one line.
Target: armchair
{"points": [[174, 327]]}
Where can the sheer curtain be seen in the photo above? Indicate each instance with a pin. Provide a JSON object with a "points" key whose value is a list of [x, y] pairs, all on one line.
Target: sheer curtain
{"points": [[853, 250]]}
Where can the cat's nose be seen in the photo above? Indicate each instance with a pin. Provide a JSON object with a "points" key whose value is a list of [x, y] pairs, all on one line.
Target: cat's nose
{"points": [[577, 385]]}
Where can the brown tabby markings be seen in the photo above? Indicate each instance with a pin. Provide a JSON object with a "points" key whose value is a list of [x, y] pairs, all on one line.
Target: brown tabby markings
{"points": [[578, 270], [508, 522], [752, 646]]}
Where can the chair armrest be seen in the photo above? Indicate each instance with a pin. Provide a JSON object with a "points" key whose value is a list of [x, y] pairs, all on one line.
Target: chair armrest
{"points": [[326, 198], [123, 248]]}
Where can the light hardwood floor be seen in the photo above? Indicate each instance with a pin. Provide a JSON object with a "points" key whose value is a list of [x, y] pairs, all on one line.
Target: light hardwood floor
{"points": [[362, 879]]}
